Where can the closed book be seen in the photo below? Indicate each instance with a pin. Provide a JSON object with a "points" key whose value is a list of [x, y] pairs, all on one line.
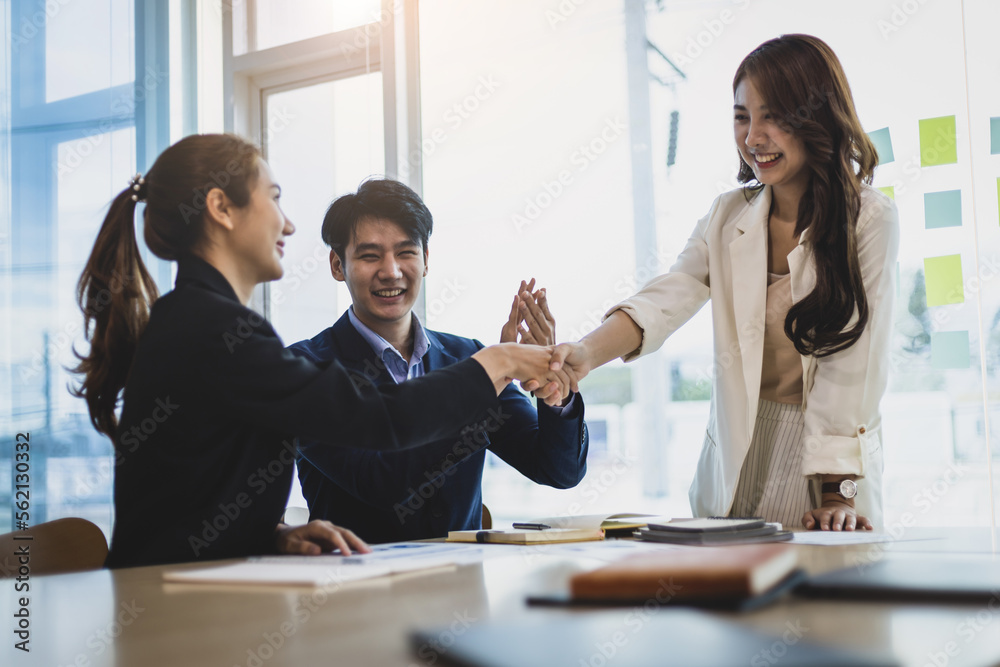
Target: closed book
{"points": [[547, 536], [710, 572]]}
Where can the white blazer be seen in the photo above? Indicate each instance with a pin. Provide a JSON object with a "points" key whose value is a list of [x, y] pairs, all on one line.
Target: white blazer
{"points": [[725, 260]]}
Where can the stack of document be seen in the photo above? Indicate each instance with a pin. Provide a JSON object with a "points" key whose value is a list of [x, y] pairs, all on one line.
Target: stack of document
{"points": [[714, 532], [539, 535], [612, 524]]}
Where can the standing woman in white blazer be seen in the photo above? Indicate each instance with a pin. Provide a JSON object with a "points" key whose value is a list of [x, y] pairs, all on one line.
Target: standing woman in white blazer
{"points": [[799, 265]]}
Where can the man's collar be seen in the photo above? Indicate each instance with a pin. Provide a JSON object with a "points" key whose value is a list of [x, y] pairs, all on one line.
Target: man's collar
{"points": [[421, 343]]}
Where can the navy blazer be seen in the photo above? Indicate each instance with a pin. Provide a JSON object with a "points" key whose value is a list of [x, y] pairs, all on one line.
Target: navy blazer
{"points": [[425, 492], [212, 408]]}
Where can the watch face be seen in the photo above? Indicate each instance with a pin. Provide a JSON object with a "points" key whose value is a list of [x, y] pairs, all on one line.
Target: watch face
{"points": [[848, 488]]}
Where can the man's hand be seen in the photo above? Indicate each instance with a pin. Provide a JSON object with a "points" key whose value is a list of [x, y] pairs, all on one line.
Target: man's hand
{"points": [[541, 325], [317, 537], [508, 333]]}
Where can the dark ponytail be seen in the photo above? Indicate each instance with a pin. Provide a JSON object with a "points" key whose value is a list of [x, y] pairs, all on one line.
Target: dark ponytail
{"points": [[115, 291]]}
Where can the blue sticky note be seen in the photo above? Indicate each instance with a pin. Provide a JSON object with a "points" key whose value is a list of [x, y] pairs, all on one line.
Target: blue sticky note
{"points": [[883, 144], [949, 349], [995, 135], [943, 209]]}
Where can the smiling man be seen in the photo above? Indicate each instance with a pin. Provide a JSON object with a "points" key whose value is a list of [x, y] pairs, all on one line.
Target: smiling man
{"points": [[378, 239]]}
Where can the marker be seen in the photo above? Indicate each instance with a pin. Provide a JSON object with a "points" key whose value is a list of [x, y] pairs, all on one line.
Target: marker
{"points": [[531, 526]]}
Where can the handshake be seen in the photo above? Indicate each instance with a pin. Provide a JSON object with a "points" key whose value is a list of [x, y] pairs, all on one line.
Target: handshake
{"points": [[528, 352]]}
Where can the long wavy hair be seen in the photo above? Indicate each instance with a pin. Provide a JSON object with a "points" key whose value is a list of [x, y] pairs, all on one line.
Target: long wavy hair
{"points": [[115, 291], [804, 86]]}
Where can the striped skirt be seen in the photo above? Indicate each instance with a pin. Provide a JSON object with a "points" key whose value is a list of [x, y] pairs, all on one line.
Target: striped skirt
{"points": [[771, 483]]}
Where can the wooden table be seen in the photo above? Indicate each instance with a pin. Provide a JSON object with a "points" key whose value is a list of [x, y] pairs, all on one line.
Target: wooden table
{"points": [[130, 617]]}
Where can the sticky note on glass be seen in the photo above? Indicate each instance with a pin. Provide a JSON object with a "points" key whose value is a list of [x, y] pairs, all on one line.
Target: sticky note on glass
{"points": [[949, 349], [890, 191], [943, 280], [943, 209], [937, 141], [995, 135], [883, 144]]}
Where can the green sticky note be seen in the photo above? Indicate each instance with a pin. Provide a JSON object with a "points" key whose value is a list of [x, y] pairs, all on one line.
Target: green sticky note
{"points": [[949, 349], [883, 144], [943, 209], [943, 280], [937, 141], [890, 191], [995, 135]]}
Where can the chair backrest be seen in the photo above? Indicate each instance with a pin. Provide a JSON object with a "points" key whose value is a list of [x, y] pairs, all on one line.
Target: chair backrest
{"points": [[63, 545], [487, 518]]}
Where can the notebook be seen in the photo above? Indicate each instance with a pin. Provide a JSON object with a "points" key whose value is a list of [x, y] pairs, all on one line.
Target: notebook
{"points": [[668, 638], [712, 572], [547, 536]]}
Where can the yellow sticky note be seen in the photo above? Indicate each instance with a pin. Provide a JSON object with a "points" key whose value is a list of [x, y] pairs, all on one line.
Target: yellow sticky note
{"points": [[890, 191], [943, 280], [937, 141]]}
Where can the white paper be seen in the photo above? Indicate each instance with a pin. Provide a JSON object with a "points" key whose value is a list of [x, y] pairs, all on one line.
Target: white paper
{"points": [[831, 538], [291, 574], [333, 569]]}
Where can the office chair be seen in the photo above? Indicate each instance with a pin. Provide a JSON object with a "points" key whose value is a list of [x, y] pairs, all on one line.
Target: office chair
{"points": [[55, 547]]}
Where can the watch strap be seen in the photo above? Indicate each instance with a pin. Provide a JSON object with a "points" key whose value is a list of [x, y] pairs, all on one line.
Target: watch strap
{"points": [[831, 487]]}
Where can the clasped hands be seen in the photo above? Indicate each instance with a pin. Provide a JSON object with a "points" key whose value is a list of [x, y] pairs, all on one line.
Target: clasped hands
{"points": [[552, 372]]}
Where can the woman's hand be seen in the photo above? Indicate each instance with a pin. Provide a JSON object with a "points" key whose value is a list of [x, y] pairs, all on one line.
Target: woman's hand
{"points": [[835, 515], [317, 537], [529, 364], [573, 359]]}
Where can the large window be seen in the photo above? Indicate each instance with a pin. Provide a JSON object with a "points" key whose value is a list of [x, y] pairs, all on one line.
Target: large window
{"points": [[538, 171], [72, 144]]}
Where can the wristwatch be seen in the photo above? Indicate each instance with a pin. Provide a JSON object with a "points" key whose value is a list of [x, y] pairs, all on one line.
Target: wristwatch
{"points": [[846, 488]]}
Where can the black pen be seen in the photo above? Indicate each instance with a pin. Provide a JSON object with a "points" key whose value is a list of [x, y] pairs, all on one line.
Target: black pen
{"points": [[531, 526]]}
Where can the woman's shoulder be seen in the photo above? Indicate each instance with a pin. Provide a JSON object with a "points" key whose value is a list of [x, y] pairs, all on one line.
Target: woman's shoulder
{"points": [[876, 207], [193, 315], [737, 198], [729, 206]]}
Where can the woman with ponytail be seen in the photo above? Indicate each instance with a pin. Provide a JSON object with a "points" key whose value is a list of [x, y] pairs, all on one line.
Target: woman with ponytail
{"points": [[211, 402], [799, 265]]}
